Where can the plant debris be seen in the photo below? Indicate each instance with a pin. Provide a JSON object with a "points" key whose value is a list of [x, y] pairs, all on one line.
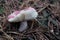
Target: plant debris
{"points": [[44, 27]]}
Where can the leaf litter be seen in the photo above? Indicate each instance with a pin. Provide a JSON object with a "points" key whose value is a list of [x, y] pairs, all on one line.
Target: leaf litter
{"points": [[44, 27]]}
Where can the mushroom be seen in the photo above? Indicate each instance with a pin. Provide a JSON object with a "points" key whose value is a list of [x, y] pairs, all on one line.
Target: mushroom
{"points": [[22, 16]]}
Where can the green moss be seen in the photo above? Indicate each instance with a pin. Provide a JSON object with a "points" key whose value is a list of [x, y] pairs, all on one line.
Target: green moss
{"points": [[1, 10]]}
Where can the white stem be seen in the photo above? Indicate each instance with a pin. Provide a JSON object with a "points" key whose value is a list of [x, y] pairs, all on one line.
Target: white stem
{"points": [[23, 26]]}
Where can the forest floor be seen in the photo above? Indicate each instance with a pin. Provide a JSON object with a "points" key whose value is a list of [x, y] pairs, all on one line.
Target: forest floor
{"points": [[45, 27]]}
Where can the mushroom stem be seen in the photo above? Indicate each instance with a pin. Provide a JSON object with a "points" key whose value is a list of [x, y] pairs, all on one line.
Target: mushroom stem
{"points": [[23, 26]]}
